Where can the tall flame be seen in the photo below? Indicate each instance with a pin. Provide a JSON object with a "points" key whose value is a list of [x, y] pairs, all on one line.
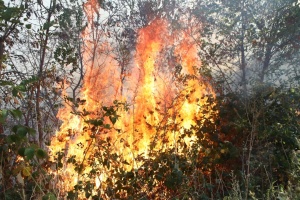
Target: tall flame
{"points": [[164, 92]]}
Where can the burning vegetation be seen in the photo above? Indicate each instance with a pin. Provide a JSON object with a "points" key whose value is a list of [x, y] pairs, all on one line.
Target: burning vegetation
{"points": [[162, 96], [158, 99]]}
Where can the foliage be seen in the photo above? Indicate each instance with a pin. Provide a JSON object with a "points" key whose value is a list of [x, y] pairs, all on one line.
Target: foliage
{"points": [[247, 141], [255, 44], [21, 159], [223, 163]]}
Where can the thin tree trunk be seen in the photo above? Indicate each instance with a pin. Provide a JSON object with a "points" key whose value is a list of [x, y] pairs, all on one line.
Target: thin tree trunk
{"points": [[40, 74], [243, 56], [1, 52], [268, 56], [243, 67], [1, 60]]}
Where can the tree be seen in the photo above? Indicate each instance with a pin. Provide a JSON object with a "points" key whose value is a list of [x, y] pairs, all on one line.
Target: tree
{"points": [[29, 103], [250, 51], [245, 138], [254, 43]]}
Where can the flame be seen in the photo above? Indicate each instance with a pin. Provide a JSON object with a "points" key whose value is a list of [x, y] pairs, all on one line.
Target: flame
{"points": [[164, 91]]}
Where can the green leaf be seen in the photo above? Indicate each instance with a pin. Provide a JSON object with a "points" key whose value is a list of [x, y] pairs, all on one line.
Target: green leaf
{"points": [[26, 171], [26, 82], [7, 15], [40, 153], [21, 87], [72, 159], [22, 131], [9, 139], [95, 122], [4, 83], [31, 131], [17, 89], [47, 25], [21, 151], [16, 113], [49, 196], [72, 195], [29, 153], [292, 90], [59, 165], [15, 92], [13, 138], [113, 119], [15, 128], [28, 26], [3, 115]]}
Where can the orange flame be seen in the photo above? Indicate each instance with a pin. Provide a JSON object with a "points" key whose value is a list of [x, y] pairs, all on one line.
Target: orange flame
{"points": [[164, 92]]}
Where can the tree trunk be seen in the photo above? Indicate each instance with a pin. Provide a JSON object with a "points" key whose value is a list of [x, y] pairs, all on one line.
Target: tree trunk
{"points": [[268, 56], [1, 52], [40, 74], [243, 56]]}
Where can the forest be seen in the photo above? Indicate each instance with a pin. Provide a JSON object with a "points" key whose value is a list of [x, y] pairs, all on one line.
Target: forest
{"points": [[149, 99]]}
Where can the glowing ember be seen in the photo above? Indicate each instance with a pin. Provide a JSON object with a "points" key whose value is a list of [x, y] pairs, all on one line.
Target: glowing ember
{"points": [[164, 93]]}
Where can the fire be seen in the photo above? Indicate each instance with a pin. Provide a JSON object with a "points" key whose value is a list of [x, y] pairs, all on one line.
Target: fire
{"points": [[164, 92]]}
